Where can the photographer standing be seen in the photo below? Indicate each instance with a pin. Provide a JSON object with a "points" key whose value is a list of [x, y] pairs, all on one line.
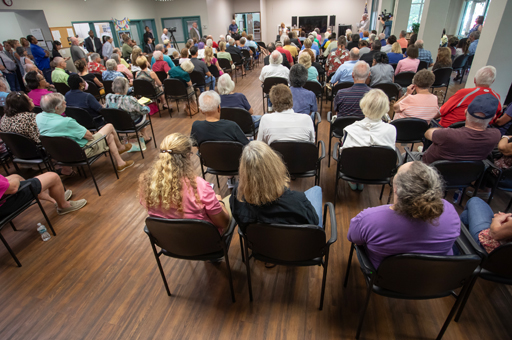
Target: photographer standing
{"points": [[386, 20]]}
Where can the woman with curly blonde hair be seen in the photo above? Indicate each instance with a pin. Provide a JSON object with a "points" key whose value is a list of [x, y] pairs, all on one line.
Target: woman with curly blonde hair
{"points": [[305, 59], [419, 221], [170, 189]]}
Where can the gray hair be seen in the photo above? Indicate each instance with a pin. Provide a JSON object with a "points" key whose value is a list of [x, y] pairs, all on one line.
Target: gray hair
{"points": [[276, 58], [298, 75], [419, 43], [225, 85], [50, 102], [116, 58], [372, 37], [159, 47], [158, 55], [279, 44], [361, 70], [382, 36], [485, 76], [354, 53], [243, 41], [120, 85], [231, 41], [209, 101], [94, 56], [375, 104], [403, 33], [209, 42], [477, 122], [475, 35], [111, 64]]}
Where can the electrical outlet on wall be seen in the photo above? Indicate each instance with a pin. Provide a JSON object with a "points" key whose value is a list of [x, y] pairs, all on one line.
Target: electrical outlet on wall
{"points": [[205, 27]]}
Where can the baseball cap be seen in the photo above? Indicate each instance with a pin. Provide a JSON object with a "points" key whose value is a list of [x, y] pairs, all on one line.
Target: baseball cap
{"points": [[486, 104]]}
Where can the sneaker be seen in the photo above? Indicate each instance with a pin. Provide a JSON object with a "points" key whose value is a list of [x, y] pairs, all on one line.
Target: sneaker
{"points": [[128, 147], [67, 196], [126, 166], [352, 185], [75, 205], [231, 182], [420, 148], [360, 186]]}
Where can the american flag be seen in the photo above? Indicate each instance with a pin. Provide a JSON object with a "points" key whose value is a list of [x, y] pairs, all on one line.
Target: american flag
{"points": [[366, 8]]}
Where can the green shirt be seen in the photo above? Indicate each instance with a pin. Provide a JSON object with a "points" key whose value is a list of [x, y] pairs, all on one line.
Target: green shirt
{"points": [[125, 63], [127, 50], [224, 55], [59, 76], [54, 125], [179, 73]]}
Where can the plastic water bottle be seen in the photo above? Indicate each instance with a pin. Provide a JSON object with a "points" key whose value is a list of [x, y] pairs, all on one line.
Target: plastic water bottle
{"points": [[457, 196], [43, 232]]}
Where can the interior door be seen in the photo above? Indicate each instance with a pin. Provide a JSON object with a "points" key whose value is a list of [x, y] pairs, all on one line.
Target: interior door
{"points": [[187, 25], [134, 30]]}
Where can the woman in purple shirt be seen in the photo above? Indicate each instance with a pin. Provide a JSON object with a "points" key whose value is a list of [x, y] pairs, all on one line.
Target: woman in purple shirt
{"points": [[419, 221]]}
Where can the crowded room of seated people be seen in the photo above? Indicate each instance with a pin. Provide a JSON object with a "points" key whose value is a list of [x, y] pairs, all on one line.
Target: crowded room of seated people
{"points": [[255, 169]]}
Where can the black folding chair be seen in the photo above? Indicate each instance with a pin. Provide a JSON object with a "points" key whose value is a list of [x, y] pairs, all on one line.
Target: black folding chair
{"points": [[390, 89], [457, 125], [24, 150], [337, 127], [67, 152], [317, 89], [423, 65], [189, 239], [198, 81], [93, 89], [83, 118], [177, 90], [267, 85], [123, 123], [308, 164], [239, 62], [500, 179], [225, 65], [410, 130], [443, 77], [394, 66], [161, 75], [107, 85], [37, 109], [459, 65], [289, 245], [4, 160], [1, 111], [415, 277], [242, 117], [144, 88], [176, 62], [254, 52], [261, 44], [404, 79], [11, 216], [404, 50], [62, 88], [359, 165], [221, 158], [339, 86]]}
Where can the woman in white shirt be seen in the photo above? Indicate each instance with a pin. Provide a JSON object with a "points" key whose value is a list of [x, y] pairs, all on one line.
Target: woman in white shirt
{"points": [[371, 131]]}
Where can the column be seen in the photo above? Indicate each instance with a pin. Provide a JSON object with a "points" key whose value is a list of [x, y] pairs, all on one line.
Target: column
{"points": [[492, 51], [400, 16], [433, 20]]}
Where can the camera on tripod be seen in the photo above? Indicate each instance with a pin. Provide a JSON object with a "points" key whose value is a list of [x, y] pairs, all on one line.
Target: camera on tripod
{"points": [[385, 16], [171, 29]]}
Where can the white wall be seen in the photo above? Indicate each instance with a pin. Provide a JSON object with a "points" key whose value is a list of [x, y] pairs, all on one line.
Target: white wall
{"points": [[9, 27], [33, 19], [221, 12], [453, 16], [245, 6]]}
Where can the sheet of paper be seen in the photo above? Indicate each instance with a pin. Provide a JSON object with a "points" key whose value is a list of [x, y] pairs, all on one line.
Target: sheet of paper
{"points": [[70, 32], [56, 35], [144, 100], [36, 32]]}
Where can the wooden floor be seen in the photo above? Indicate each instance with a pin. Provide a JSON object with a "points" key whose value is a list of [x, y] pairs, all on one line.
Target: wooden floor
{"points": [[97, 279]]}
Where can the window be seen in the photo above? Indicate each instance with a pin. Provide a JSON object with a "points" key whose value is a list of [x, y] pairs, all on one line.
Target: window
{"points": [[415, 13], [472, 10]]}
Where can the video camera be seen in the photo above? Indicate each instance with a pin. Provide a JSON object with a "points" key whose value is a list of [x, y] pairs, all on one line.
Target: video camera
{"points": [[171, 29], [385, 16]]}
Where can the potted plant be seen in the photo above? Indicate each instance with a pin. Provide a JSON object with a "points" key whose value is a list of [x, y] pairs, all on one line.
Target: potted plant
{"points": [[416, 27]]}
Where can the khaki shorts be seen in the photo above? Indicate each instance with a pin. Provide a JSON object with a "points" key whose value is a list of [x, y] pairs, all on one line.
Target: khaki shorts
{"points": [[97, 148]]}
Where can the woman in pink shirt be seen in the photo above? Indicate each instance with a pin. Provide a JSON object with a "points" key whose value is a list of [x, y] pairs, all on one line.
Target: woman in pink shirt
{"points": [[409, 64], [170, 189], [38, 86]]}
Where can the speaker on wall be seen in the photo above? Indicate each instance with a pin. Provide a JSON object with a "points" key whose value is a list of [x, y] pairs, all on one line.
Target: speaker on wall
{"points": [[332, 20], [294, 21]]}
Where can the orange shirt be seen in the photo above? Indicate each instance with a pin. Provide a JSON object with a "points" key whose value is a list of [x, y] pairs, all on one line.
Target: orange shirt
{"points": [[403, 42]]}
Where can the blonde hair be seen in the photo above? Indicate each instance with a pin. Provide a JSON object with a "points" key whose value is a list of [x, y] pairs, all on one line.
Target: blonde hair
{"points": [[187, 66], [305, 59], [222, 46], [308, 43], [142, 62], [136, 53], [263, 175], [208, 56], [375, 104], [396, 48], [162, 185]]}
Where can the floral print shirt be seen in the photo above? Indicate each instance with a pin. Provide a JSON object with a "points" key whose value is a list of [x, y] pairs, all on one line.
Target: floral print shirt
{"points": [[335, 60], [127, 103]]}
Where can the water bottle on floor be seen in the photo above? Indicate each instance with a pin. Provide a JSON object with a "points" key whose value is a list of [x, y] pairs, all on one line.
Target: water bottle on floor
{"points": [[43, 232], [457, 196]]}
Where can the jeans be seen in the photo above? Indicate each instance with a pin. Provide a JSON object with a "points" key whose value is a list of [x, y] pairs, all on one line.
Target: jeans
{"points": [[256, 120], [477, 216], [47, 73], [314, 195], [12, 79], [210, 81]]}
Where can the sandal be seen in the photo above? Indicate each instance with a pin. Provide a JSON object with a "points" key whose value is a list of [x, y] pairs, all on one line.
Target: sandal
{"points": [[149, 140]]}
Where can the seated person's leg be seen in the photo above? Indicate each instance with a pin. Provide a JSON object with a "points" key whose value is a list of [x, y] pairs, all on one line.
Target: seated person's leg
{"points": [[256, 120], [314, 195], [51, 181], [477, 216]]}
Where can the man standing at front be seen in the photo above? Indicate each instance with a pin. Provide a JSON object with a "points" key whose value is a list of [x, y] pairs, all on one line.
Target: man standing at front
{"points": [[165, 35], [233, 28], [194, 32], [76, 52], [41, 57], [93, 44]]}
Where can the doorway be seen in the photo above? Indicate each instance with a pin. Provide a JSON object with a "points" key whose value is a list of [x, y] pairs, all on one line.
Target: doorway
{"points": [[183, 26], [250, 23]]}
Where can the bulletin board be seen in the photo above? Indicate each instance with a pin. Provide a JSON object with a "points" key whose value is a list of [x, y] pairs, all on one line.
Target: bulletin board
{"points": [[62, 35]]}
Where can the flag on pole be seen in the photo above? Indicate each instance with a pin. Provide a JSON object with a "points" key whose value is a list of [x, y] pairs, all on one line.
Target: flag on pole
{"points": [[366, 8]]}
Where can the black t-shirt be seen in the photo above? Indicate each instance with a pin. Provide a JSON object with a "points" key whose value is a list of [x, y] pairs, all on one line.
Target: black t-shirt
{"points": [[368, 57], [90, 77], [234, 50], [352, 44], [222, 130], [296, 42], [292, 207]]}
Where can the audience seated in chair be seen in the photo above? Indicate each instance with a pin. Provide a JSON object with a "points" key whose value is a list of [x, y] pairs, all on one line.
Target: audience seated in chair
{"points": [[271, 48], [166, 57], [473, 142], [381, 71], [170, 189], [94, 66], [344, 72], [111, 73], [423, 104], [120, 100], [201, 67], [419, 220], [81, 67], [230, 99], [213, 128], [279, 47], [121, 60], [409, 64], [18, 116], [473, 38], [304, 101], [305, 60], [222, 54], [402, 40], [368, 57], [121, 67], [263, 194], [182, 72], [76, 97], [444, 58], [363, 48], [52, 124], [146, 74], [336, 58], [346, 102], [454, 110], [37, 84], [389, 45], [423, 54], [284, 124], [331, 46], [275, 68], [59, 75], [212, 62], [396, 54], [160, 65]]}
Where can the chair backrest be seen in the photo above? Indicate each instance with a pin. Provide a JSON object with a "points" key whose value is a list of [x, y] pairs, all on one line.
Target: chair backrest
{"points": [[93, 89], [214, 70], [469, 61], [460, 61], [119, 118], [269, 82], [419, 275], [174, 87], [143, 88], [390, 89], [246, 54], [341, 86], [176, 61], [443, 76], [107, 85], [20, 146], [288, 243], [240, 116], [61, 88], [161, 75], [422, 65], [184, 237], [404, 50], [37, 109], [197, 78], [63, 149], [289, 151], [253, 49], [368, 162], [224, 64], [236, 58], [459, 174], [457, 125], [314, 87], [261, 44], [404, 79], [341, 123], [498, 261], [81, 116], [410, 130], [99, 76], [394, 66], [221, 155]]}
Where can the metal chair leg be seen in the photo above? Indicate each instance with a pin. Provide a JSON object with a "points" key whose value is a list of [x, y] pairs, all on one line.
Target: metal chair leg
{"points": [[112, 160], [218, 183], [322, 294], [157, 257], [43, 212], [466, 297], [93, 179], [382, 191], [13, 227], [10, 250], [248, 267], [242, 248], [365, 307], [229, 274], [138, 141], [352, 247]]}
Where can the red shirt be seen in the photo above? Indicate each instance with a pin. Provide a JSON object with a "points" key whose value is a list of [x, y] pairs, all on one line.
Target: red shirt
{"points": [[214, 45], [95, 68], [288, 54], [454, 110], [160, 65]]}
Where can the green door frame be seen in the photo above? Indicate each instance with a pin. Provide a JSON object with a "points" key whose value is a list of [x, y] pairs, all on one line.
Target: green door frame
{"points": [[184, 26], [141, 26], [91, 27]]}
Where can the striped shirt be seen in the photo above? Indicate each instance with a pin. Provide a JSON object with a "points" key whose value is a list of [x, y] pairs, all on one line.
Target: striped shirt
{"points": [[422, 106], [347, 100]]}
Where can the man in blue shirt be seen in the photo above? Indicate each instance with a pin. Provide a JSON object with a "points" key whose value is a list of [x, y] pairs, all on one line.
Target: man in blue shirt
{"points": [[473, 37], [423, 54], [78, 98], [304, 101], [41, 57], [344, 72], [167, 59], [233, 28]]}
